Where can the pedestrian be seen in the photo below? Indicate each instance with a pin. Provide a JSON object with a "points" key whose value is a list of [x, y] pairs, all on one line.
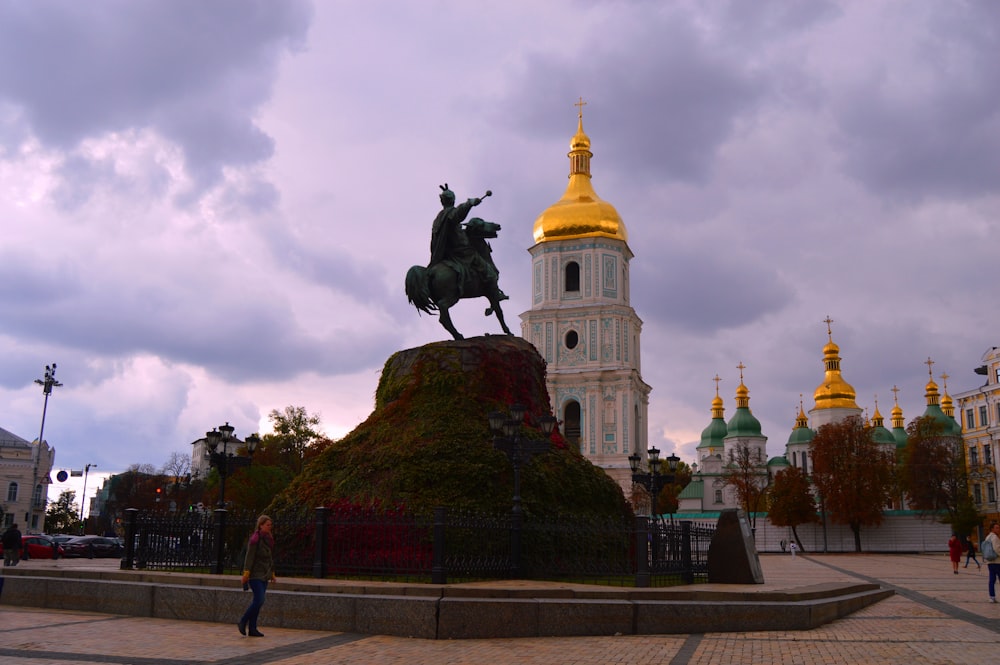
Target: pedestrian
{"points": [[970, 553], [784, 544], [793, 547], [954, 552], [11, 546], [258, 570], [993, 564]]}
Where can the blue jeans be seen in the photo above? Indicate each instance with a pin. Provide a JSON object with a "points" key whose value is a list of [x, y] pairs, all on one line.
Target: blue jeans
{"points": [[259, 589], [994, 576]]}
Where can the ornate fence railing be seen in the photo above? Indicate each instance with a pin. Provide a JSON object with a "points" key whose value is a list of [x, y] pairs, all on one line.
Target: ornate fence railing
{"points": [[359, 543]]}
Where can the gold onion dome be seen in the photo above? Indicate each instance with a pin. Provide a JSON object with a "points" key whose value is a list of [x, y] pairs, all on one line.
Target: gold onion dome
{"points": [[743, 422], [834, 392], [580, 213], [713, 436]]}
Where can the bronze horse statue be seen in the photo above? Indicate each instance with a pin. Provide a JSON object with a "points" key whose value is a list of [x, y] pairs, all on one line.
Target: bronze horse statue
{"points": [[441, 285]]}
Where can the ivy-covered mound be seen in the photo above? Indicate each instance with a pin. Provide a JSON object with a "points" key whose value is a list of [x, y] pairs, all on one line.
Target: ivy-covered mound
{"points": [[428, 442]]}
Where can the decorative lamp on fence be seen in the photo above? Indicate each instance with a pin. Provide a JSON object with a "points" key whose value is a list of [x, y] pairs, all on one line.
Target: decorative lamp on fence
{"points": [[653, 481], [506, 429], [225, 461]]}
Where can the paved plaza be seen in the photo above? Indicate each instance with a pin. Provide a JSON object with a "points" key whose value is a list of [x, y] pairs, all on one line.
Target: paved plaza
{"points": [[935, 617]]}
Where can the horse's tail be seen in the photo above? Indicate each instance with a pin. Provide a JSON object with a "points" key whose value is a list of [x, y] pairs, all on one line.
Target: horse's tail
{"points": [[418, 289]]}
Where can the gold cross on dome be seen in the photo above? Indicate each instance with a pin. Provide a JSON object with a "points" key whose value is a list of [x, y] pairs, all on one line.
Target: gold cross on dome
{"points": [[717, 379], [829, 331], [944, 378], [929, 364], [579, 105], [895, 394], [741, 367]]}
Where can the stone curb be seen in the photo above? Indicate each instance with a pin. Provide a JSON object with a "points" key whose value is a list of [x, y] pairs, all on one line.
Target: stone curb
{"points": [[448, 612]]}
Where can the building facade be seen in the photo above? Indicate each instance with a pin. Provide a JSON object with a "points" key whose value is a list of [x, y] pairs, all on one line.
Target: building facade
{"points": [[582, 322], [978, 412], [24, 481]]}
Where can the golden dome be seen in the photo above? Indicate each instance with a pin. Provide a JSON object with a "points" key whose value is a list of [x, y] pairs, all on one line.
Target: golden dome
{"points": [[580, 213], [834, 392], [932, 394]]}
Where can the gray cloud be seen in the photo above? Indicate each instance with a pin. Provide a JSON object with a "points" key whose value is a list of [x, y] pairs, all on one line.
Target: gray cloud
{"points": [[925, 120], [195, 72]]}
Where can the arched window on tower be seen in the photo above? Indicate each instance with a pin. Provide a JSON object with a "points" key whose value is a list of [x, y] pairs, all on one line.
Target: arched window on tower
{"points": [[12, 492], [572, 277], [571, 424]]}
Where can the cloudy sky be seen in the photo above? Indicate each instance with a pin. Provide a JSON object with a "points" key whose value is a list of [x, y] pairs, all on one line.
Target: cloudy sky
{"points": [[208, 208]]}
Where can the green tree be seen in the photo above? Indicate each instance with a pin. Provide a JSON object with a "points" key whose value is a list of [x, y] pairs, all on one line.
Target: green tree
{"points": [[934, 476], [853, 473], [294, 432], [791, 501], [746, 472], [61, 516]]}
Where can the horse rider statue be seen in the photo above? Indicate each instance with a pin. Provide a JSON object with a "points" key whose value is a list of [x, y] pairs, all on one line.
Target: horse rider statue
{"points": [[450, 244]]}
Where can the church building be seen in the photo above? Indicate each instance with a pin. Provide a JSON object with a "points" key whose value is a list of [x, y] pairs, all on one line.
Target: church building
{"points": [[582, 321]]}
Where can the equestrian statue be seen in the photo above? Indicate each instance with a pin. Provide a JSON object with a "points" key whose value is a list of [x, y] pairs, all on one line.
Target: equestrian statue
{"points": [[461, 264]]}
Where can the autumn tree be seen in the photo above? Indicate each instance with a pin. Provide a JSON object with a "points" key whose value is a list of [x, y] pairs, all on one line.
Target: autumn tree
{"points": [[667, 501], [791, 501], [746, 472], [853, 474], [934, 476]]}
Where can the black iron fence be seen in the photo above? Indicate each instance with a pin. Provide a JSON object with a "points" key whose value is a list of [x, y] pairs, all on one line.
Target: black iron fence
{"points": [[359, 543]]}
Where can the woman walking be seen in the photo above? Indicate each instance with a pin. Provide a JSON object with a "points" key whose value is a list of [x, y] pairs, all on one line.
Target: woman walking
{"points": [[954, 552], [258, 570]]}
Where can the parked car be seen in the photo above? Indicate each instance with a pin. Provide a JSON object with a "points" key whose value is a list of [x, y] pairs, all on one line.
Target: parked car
{"points": [[93, 546], [38, 546]]}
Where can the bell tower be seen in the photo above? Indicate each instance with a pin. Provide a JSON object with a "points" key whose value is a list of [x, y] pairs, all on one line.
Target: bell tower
{"points": [[582, 322]]}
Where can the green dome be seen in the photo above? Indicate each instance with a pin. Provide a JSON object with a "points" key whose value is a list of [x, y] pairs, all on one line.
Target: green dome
{"points": [[712, 436], [881, 435], [743, 423], [899, 434], [801, 435], [948, 425], [781, 460]]}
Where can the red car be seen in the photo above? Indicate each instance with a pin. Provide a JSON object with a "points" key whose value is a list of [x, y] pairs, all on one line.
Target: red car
{"points": [[38, 547]]}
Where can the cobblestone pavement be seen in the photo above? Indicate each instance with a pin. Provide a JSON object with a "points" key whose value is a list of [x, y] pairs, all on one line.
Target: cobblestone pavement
{"points": [[935, 617]]}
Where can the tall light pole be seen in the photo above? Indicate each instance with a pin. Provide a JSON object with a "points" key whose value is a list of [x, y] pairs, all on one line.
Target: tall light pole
{"points": [[507, 438], [83, 496], [47, 384]]}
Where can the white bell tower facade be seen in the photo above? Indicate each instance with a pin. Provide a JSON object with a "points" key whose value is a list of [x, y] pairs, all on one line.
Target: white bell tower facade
{"points": [[582, 322]]}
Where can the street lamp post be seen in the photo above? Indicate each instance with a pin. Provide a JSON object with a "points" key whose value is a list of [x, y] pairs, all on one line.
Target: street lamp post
{"points": [[654, 481], [47, 384], [83, 497], [507, 438], [225, 462]]}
